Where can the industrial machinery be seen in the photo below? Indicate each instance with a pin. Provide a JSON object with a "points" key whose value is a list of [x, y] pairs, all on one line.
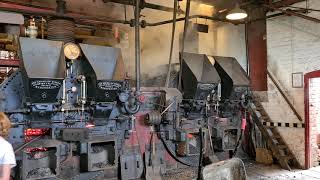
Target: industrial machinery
{"points": [[72, 111], [206, 117], [70, 106], [75, 116]]}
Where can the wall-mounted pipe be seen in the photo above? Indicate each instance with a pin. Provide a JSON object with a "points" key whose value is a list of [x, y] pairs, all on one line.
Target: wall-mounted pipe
{"points": [[172, 41], [137, 43], [185, 28]]}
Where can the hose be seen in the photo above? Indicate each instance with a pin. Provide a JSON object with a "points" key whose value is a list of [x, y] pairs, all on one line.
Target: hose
{"points": [[201, 155], [175, 157], [238, 143], [243, 127]]}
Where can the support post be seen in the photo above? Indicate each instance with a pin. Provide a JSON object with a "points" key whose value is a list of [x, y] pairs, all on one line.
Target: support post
{"points": [[257, 49]]}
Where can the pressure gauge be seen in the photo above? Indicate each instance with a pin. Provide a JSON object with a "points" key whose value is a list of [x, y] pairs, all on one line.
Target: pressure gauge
{"points": [[71, 51]]}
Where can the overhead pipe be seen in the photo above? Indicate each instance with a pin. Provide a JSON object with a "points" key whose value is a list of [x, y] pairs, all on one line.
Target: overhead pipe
{"points": [[172, 41], [144, 4], [292, 13], [186, 23], [213, 18], [41, 11]]}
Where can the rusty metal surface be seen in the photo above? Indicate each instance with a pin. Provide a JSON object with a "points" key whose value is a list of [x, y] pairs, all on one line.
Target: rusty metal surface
{"points": [[103, 60], [42, 58], [9, 63], [257, 51]]}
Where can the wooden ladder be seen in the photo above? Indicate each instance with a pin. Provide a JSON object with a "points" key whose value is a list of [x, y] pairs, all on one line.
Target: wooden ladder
{"points": [[275, 142]]}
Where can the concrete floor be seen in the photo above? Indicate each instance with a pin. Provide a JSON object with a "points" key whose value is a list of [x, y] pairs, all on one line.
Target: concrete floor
{"points": [[254, 171], [257, 171]]}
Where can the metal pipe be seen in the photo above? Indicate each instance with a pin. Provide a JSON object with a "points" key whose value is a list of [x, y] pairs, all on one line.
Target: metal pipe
{"points": [[145, 4], [83, 91], [214, 18], [63, 100], [42, 11], [172, 41], [61, 7], [137, 43], [292, 13], [186, 23], [305, 9]]}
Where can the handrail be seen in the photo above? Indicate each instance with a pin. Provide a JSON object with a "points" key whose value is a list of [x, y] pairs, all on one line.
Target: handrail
{"points": [[284, 95]]}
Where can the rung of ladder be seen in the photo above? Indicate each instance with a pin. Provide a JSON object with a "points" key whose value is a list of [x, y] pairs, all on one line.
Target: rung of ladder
{"points": [[282, 146], [276, 136]]}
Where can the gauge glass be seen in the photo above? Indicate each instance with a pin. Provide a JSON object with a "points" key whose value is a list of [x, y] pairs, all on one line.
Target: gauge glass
{"points": [[71, 51]]}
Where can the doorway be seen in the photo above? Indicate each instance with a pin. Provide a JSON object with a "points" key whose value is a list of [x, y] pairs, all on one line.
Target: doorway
{"points": [[312, 119]]}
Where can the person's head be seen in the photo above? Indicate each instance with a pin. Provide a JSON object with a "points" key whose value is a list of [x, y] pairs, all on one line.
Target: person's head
{"points": [[5, 125]]}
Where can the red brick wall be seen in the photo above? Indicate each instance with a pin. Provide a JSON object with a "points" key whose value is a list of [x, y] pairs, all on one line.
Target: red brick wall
{"points": [[314, 117]]}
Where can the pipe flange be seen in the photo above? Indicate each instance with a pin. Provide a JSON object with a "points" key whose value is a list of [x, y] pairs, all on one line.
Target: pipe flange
{"points": [[143, 23], [154, 118], [132, 23]]}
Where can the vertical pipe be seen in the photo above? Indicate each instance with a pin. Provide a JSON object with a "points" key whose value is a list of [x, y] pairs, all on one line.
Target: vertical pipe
{"points": [[61, 6], [63, 91], [172, 41], [137, 43], [84, 87], [186, 23]]}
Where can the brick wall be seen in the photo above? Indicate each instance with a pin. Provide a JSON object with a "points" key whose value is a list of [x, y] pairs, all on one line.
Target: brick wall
{"points": [[314, 117], [293, 46]]}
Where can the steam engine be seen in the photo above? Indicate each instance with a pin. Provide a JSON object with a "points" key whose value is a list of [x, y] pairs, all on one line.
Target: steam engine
{"points": [[70, 112], [207, 113]]}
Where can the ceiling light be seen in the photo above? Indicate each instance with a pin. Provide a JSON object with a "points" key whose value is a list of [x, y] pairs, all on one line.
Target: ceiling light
{"points": [[237, 13]]}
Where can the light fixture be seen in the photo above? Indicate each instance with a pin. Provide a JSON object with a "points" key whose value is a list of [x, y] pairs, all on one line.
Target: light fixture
{"points": [[237, 13]]}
